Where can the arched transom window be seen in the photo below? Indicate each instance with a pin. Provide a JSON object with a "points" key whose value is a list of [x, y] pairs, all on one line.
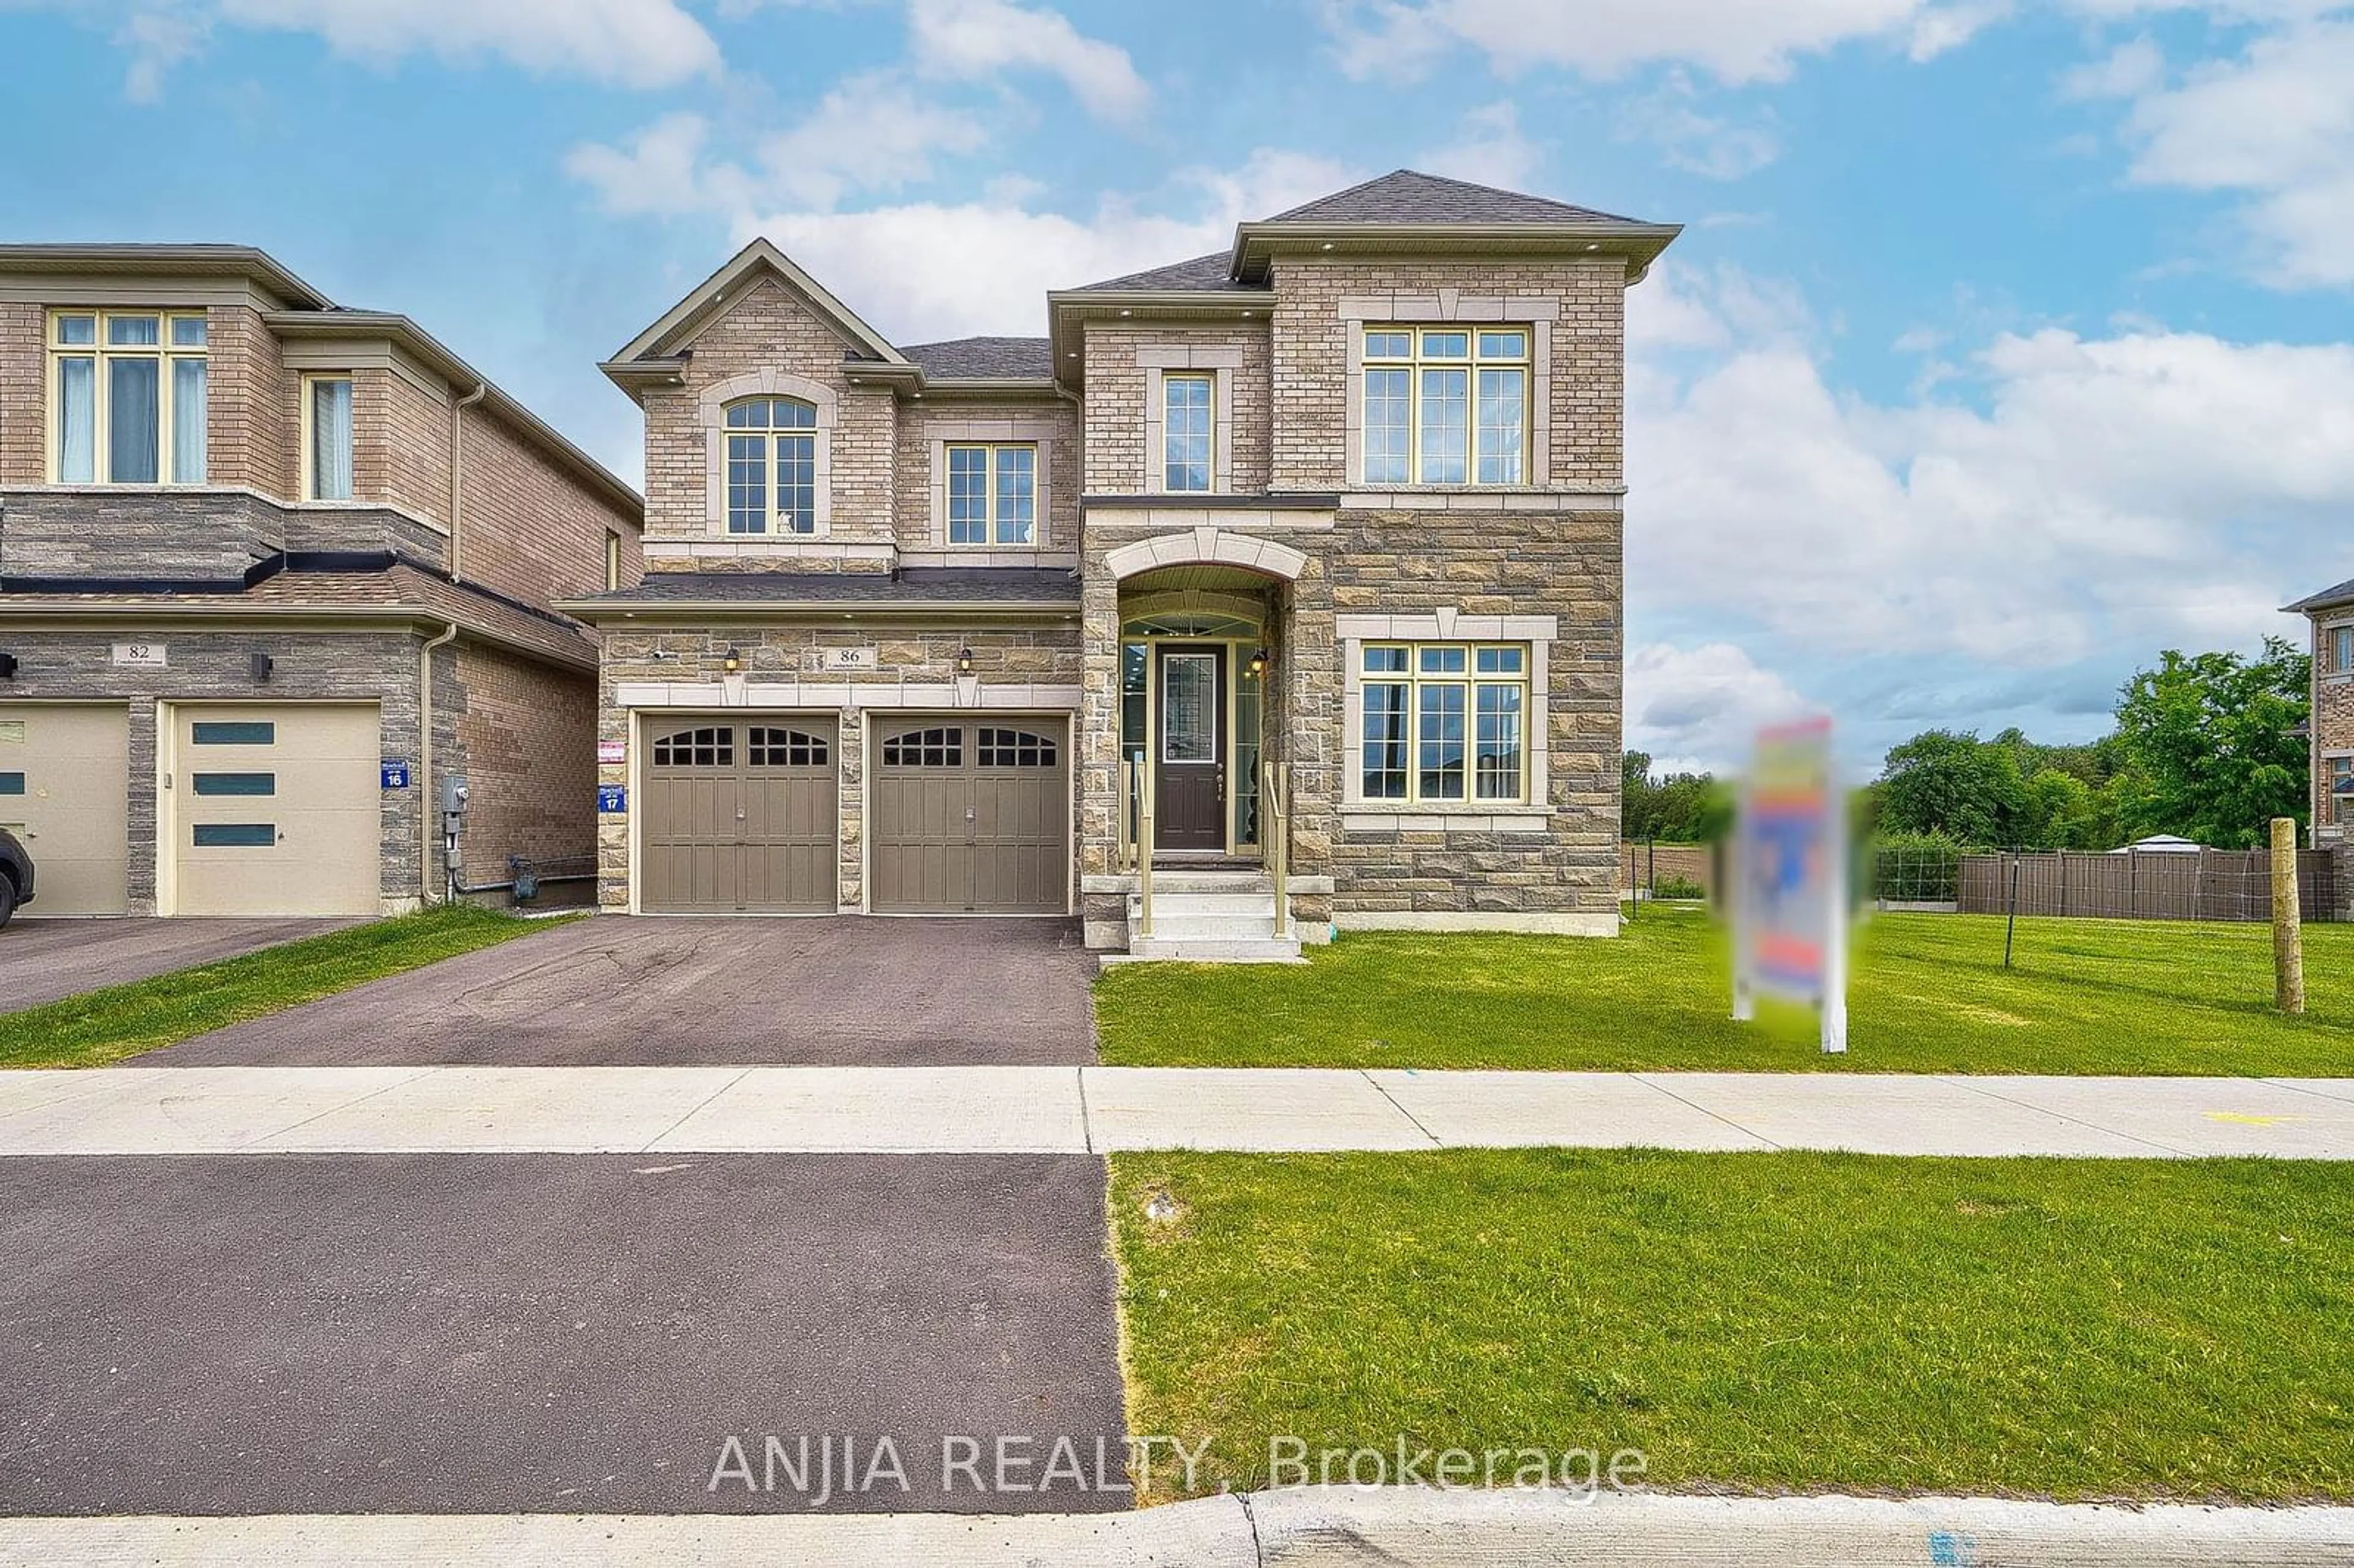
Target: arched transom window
{"points": [[771, 466]]}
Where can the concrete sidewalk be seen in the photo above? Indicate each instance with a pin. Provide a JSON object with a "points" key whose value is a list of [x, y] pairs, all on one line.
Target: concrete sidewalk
{"points": [[1310, 1528], [1092, 1110]]}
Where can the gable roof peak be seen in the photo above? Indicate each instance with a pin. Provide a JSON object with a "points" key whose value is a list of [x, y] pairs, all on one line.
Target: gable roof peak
{"points": [[708, 299], [1410, 196]]}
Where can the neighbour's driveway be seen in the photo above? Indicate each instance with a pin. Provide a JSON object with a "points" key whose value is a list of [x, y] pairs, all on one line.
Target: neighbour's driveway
{"points": [[42, 960], [571, 1333], [618, 991]]}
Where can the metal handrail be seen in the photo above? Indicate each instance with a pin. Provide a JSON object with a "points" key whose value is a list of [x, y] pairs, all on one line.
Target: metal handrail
{"points": [[1144, 836], [1125, 854], [1275, 810]]}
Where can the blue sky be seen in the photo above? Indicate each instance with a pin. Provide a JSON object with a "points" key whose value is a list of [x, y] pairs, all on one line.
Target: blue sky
{"points": [[2008, 343]]}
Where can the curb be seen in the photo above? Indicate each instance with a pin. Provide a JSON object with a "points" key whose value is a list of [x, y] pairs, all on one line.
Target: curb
{"points": [[1306, 1528]]}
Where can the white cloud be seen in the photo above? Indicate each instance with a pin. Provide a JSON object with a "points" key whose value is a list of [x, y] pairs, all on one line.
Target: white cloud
{"points": [[1733, 40], [965, 39], [637, 43], [924, 271], [157, 41], [2127, 490], [1698, 707], [1699, 144], [1487, 148], [2275, 124]]}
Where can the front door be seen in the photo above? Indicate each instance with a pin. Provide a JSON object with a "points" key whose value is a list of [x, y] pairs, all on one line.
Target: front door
{"points": [[1190, 781]]}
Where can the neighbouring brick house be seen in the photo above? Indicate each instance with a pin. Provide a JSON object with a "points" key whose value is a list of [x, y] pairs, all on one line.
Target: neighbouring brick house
{"points": [[1300, 557], [237, 522], [2330, 613]]}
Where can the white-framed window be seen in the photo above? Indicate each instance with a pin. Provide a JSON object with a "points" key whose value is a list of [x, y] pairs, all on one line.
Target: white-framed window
{"points": [[2341, 650], [2340, 808], [1444, 721], [127, 391], [771, 458], [1188, 430], [1445, 405], [992, 493], [327, 437]]}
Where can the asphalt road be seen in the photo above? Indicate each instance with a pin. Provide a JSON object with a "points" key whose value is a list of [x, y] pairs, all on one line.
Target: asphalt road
{"points": [[46, 960], [548, 1334], [621, 992]]}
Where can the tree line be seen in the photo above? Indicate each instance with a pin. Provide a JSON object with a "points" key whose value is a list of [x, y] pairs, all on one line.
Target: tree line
{"points": [[2209, 747]]}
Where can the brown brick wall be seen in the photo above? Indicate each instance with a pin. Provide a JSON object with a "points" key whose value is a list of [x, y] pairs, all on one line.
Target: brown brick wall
{"points": [[918, 432], [532, 530], [1117, 388], [250, 399], [22, 365], [527, 744]]}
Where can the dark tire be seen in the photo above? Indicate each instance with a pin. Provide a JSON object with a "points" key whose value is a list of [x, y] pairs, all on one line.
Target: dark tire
{"points": [[7, 899]]}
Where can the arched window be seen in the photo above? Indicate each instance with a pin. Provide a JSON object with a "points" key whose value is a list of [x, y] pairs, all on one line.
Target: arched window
{"points": [[771, 466]]}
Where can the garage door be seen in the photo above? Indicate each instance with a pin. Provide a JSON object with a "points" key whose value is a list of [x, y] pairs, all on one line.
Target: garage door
{"points": [[739, 817], [276, 809], [972, 818], [65, 789]]}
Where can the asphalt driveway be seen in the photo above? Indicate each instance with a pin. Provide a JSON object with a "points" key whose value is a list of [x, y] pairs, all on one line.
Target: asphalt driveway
{"points": [[618, 991], [487, 1334], [46, 960]]}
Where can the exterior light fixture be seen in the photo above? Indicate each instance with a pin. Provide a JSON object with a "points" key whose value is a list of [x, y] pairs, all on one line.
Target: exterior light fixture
{"points": [[734, 660], [1257, 665], [7, 666], [262, 664], [964, 661]]}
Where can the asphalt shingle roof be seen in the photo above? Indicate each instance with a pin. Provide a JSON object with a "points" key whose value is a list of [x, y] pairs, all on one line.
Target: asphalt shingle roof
{"points": [[985, 358], [2343, 593], [1211, 272], [912, 585], [1406, 195]]}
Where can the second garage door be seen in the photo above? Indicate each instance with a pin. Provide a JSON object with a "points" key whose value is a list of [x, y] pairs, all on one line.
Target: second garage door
{"points": [[972, 818], [65, 789], [739, 817], [276, 809]]}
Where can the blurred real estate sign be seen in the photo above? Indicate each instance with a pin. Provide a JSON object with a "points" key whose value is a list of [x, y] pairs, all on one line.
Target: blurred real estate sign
{"points": [[1789, 885]]}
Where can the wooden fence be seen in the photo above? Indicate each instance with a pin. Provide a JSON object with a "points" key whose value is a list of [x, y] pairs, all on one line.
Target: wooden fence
{"points": [[2212, 884]]}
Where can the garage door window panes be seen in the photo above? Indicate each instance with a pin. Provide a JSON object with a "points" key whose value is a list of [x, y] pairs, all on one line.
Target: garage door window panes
{"points": [[1015, 748], [714, 747], [235, 835], [234, 783], [925, 748], [12, 783], [223, 733], [787, 749]]}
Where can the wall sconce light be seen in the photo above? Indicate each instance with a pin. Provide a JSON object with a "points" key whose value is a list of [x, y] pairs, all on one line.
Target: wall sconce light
{"points": [[1257, 665], [734, 660], [964, 661], [262, 664], [7, 666]]}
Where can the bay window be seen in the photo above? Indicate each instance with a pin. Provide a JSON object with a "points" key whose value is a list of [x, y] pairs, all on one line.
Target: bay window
{"points": [[1444, 722], [127, 390], [993, 493], [1445, 405]]}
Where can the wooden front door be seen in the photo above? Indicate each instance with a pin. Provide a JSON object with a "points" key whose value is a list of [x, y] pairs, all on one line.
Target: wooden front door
{"points": [[1190, 777]]}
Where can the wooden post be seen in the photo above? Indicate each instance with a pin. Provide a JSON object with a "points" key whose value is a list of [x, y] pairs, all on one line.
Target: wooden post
{"points": [[2288, 936]]}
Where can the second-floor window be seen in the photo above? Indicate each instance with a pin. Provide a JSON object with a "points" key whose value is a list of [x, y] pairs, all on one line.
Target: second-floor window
{"points": [[993, 493], [2341, 806], [1443, 721], [326, 437], [2341, 649], [127, 389], [1186, 431], [771, 466], [1445, 405]]}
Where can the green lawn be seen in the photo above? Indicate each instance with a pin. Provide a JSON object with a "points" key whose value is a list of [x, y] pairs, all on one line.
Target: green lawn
{"points": [[102, 1026], [1929, 995], [1758, 1322]]}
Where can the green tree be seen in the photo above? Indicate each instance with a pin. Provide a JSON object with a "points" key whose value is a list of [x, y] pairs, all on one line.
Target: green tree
{"points": [[2063, 812], [2215, 745], [1954, 785]]}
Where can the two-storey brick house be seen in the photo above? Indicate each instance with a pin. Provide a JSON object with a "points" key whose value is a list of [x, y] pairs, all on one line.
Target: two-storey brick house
{"points": [[270, 570], [2330, 615], [1303, 556]]}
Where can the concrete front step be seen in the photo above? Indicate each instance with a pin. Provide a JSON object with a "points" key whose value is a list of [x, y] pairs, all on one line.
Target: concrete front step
{"points": [[1183, 903], [1186, 926], [1165, 881], [1212, 950]]}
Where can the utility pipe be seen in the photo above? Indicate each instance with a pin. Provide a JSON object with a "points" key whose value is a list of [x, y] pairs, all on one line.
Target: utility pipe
{"points": [[428, 796], [457, 470]]}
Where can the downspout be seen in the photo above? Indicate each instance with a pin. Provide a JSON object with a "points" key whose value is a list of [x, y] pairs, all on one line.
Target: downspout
{"points": [[428, 800], [457, 470]]}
